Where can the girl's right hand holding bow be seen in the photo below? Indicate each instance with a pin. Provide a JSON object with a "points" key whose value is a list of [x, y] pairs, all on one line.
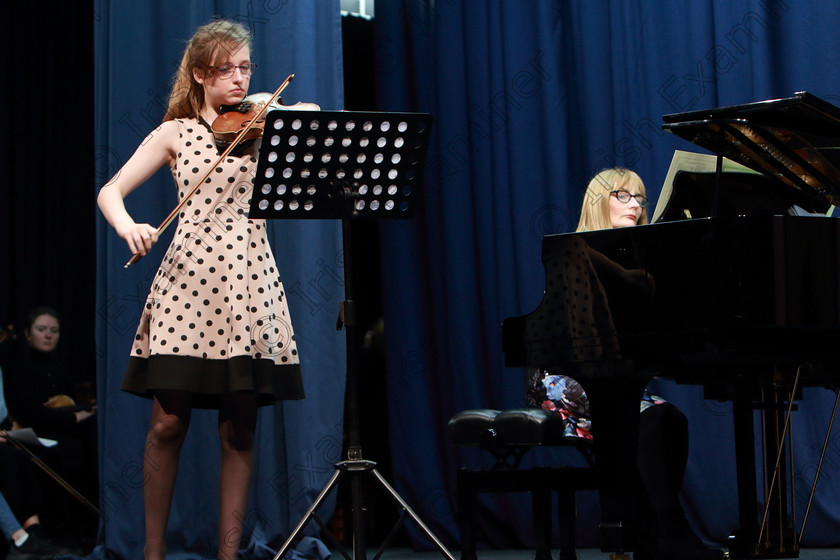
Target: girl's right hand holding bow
{"points": [[140, 237]]}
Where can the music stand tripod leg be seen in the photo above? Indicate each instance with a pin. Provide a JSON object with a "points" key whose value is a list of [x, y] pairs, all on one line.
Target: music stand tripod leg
{"points": [[310, 513], [397, 498]]}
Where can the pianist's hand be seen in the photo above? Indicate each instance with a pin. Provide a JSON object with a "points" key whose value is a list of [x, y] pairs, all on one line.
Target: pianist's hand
{"points": [[641, 280]]}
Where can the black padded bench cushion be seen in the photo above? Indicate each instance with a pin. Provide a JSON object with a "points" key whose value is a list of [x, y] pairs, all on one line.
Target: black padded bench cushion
{"points": [[526, 427]]}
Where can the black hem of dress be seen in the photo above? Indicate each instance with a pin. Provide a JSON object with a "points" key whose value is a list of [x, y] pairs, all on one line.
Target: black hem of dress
{"points": [[208, 380]]}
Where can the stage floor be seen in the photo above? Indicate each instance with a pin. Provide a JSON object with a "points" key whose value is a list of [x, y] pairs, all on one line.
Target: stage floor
{"points": [[397, 553]]}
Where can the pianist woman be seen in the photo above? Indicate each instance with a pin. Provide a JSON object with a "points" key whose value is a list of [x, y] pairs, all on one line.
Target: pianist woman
{"points": [[615, 198]]}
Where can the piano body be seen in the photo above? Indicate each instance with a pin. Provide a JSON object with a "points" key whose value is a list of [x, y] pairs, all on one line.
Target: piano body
{"points": [[740, 298]]}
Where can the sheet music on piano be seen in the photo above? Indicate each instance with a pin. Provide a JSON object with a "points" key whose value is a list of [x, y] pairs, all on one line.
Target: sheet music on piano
{"points": [[696, 163]]}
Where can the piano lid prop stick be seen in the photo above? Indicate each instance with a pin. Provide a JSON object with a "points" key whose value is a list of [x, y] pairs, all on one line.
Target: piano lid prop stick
{"points": [[772, 485], [819, 465]]}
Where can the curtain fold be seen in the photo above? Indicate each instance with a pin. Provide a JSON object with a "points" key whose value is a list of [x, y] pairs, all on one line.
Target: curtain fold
{"points": [[137, 49], [531, 99]]}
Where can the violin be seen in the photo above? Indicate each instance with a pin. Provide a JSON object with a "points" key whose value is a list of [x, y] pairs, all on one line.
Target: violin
{"points": [[233, 119]]}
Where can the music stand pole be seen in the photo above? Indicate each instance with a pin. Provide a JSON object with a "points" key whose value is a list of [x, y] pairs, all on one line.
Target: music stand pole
{"points": [[347, 166], [347, 318]]}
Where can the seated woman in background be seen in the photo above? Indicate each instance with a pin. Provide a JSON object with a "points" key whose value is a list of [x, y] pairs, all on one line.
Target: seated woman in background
{"points": [[40, 389], [615, 198], [40, 395]]}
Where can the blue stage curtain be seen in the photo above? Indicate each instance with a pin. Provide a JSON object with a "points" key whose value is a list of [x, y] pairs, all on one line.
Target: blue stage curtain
{"points": [[531, 99], [138, 46]]}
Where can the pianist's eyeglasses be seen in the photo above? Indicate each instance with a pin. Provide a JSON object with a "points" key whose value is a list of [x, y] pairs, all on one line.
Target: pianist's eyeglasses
{"points": [[624, 196]]}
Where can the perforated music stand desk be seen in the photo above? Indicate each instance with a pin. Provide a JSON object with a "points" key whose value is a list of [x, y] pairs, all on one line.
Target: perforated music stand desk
{"points": [[347, 166], [313, 163]]}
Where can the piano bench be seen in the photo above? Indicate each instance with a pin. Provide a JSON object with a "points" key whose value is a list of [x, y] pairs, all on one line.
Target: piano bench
{"points": [[508, 435]]}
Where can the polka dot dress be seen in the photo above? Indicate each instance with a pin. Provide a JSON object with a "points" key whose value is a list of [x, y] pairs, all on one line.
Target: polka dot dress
{"points": [[216, 319]]}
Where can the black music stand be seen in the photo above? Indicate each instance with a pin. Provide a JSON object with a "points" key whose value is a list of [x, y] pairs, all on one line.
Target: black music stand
{"points": [[347, 166]]}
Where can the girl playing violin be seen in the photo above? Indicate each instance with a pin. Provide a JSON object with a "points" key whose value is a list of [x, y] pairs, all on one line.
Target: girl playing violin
{"points": [[215, 331]]}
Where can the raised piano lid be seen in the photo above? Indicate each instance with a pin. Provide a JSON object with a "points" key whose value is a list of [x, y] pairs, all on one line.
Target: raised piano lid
{"points": [[794, 140]]}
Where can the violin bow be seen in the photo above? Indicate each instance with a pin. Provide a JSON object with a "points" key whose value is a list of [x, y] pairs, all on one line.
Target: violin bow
{"points": [[168, 220]]}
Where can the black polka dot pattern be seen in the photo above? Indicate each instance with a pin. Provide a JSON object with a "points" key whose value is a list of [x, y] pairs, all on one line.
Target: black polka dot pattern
{"points": [[216, 294], [581, 327]]}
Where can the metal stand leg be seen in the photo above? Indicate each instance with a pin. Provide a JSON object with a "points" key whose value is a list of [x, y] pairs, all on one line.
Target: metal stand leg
{"points": [[356, 468]]}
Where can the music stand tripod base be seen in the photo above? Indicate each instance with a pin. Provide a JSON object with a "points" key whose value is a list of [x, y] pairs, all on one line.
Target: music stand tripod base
{"points": [[358, 467]]}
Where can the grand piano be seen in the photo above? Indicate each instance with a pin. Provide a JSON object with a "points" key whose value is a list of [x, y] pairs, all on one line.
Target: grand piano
{"points": [[743, 298]]}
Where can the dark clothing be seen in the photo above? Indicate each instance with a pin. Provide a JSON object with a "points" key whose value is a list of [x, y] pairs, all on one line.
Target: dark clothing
{"points": [[19, 483], [34, 378]]}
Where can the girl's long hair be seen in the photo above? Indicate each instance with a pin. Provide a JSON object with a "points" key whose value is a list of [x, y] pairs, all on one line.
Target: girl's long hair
{"points": [[211, 43]]}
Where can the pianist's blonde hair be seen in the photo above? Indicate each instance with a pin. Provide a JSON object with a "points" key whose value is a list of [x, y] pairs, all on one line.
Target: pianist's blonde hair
{"points": [[595, 213]]}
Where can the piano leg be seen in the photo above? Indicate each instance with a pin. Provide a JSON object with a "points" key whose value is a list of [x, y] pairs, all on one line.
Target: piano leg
{"points": [[778, 539], [743, 542], [614, 405]]}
